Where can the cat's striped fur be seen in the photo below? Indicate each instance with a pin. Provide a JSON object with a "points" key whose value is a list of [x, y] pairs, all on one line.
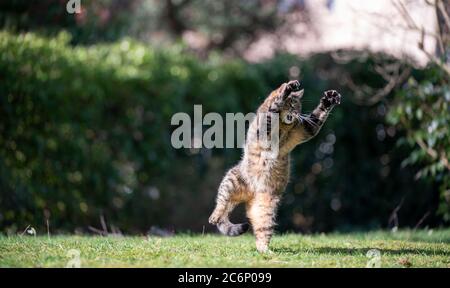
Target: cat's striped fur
{"points": [[259, 179]]}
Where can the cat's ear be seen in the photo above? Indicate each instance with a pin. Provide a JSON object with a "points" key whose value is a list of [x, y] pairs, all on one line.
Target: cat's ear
{"points": [[298, 94]]}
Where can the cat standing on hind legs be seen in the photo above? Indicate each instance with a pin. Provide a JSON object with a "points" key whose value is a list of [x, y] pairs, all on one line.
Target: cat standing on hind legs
{"points": [[260, 178]]}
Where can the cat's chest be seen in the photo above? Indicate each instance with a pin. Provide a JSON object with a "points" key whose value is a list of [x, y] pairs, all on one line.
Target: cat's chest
{"points": [[270, 166], [268, 174]]}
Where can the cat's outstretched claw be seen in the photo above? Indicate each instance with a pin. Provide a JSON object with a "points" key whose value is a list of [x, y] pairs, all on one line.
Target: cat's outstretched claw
{"points": [[293, 86], [331, 98], [289, 87]]}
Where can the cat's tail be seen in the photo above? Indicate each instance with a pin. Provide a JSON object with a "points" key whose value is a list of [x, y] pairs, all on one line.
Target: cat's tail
{"points": [[227, 228]]}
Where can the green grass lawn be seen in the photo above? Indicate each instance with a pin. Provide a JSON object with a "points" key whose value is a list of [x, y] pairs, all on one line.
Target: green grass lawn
{"points": [[400, 249]]}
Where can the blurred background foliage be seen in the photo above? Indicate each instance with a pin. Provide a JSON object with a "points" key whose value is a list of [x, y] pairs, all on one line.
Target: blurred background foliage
{"points": [[86, 102]]}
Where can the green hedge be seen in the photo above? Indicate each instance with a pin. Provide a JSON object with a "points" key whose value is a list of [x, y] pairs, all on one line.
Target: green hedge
{"points": [[422, 108], [85, 132], [83, 127]]}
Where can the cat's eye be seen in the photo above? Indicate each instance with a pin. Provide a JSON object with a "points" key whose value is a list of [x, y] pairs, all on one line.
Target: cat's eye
{"points": [[288, 119]]}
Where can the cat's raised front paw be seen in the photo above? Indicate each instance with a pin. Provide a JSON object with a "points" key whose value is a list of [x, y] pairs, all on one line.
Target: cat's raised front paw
{"points": [[331, 98], [287, 88], [293, 86]]}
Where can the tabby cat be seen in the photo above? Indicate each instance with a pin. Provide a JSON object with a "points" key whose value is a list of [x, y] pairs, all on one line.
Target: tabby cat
{"points": [[259, 179]]}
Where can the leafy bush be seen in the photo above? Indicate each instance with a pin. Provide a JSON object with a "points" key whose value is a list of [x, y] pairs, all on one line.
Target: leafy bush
{"points": [[422, 109], [99, 20], [86, 131]]}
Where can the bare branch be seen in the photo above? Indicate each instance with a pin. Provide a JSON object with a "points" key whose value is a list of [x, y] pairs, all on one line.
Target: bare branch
{"points": [[421, 220], [401, 8], [444, 13], [393, 218], [434, 154], [365, 95]]}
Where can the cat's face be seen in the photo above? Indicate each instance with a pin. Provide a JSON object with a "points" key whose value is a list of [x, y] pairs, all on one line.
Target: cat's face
{"points": [[289, 108]]}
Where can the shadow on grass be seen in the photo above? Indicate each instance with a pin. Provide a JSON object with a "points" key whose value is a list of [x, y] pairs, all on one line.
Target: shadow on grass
{"points": [[360, 251], [445, 240]]}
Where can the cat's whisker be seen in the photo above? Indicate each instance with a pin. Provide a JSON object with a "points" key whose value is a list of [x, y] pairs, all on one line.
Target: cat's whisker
{"points": [[299, 118], [308, 120]]}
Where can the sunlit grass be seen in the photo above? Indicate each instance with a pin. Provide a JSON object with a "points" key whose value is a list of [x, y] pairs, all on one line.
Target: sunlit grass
{"points": [[401, 249]]}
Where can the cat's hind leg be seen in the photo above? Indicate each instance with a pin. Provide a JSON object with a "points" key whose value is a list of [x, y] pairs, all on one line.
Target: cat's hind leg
{"points": [[261, 211], [226, 202]]}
